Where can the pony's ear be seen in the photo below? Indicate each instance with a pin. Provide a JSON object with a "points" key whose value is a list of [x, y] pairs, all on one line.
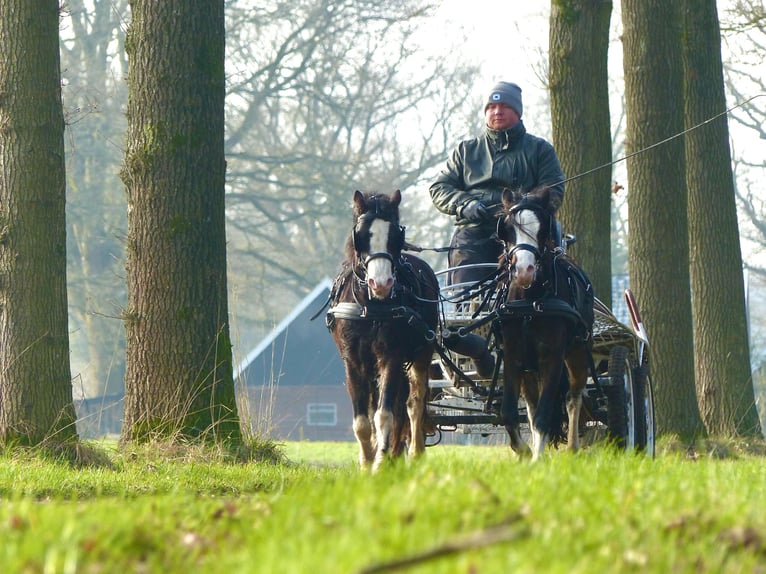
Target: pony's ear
{"points": [[551, 201], [555, 202], [360, 205], [510, 197], [396, 198]]}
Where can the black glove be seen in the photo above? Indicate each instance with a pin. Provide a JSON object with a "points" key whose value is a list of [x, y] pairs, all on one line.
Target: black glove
{"points": [[474, 210]]}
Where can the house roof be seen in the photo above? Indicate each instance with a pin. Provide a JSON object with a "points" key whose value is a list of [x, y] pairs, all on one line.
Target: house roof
{"points": [[298, 351]]}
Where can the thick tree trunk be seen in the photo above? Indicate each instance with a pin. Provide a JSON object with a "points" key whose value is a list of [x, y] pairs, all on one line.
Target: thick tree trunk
{"points": [[179, 380], [658, 239], [35, 379], [579, 40], [723, 376]]}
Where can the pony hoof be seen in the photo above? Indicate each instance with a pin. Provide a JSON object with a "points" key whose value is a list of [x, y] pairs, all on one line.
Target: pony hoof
{"points": [[522, 452]]}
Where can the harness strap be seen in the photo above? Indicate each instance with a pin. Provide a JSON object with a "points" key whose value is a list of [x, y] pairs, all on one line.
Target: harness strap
{"points": [[357, 312], [546, 306], [345, 311]]}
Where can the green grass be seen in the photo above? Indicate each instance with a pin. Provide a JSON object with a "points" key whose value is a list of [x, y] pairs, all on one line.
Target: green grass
{"points": [[458, 510]]}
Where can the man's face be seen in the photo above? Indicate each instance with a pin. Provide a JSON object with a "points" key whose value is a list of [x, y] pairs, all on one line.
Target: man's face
{"points": [[500, 116]]}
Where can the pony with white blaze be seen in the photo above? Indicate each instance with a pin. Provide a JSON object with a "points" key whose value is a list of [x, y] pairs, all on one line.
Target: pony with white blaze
{"points": [[546, 320], [383, 319]]}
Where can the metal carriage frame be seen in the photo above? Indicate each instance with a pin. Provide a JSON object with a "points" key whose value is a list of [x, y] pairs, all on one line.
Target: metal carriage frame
{"points": [[617, 403]]}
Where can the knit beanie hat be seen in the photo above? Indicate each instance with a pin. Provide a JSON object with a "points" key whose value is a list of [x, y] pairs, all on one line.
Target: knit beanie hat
{"points": [[506, 93]]}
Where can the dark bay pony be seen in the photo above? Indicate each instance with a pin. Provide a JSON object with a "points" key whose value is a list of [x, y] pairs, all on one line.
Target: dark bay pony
{"points": [[383, 319], [546, 319]]}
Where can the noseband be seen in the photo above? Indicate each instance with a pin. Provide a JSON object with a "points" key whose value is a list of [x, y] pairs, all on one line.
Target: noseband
{"points": [[524, 247]]}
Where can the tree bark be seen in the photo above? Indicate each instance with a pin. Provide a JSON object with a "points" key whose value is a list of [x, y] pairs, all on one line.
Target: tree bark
{"points": [[179, 380], [722, 356], [658, 238], [579, 41], [35, 379]]}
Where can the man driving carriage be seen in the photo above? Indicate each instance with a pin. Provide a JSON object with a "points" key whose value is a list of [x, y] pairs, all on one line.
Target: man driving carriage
{"points": [[470, 186]]}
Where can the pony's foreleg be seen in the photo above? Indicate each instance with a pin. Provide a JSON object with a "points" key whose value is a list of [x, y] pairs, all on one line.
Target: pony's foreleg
{"points": [[539, 437], [574, 403], [418, 377], [359, 391], [363, 434], [384, 422], [578, 379], [577, 364], [384, 415], [534, 400], [510, 410], [539, 440]]}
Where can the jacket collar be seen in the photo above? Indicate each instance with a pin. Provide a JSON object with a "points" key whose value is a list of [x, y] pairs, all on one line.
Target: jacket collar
{"points": [[504, 139]]}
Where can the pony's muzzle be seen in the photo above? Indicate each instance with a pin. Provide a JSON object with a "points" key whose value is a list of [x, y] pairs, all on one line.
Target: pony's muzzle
{"points": [[380, 276]]}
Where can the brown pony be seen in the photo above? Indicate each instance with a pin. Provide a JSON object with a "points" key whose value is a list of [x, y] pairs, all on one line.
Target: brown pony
{"points": [[383, 319], [546, 320]]}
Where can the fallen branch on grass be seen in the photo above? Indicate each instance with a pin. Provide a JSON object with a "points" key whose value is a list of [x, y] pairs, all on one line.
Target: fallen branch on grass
{"points": [[507, 531]]}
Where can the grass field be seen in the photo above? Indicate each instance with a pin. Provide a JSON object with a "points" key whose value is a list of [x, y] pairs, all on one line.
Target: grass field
{"points": [[472, 510]]}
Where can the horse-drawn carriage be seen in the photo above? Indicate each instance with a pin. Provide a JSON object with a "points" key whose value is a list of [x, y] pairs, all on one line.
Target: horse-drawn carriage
{"points": [[617, 403], [529, 342]]}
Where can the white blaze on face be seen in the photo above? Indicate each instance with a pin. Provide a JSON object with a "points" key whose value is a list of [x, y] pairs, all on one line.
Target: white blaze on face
{"points": [[527, 227], [380, 275]]}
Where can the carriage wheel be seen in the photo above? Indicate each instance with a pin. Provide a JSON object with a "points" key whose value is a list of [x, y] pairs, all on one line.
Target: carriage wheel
{"points": [[626, 420], [644, 409]]}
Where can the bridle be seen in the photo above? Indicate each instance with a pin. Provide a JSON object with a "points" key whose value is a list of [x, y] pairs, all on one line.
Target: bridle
{"points": [[512, 249], [366, 219]]}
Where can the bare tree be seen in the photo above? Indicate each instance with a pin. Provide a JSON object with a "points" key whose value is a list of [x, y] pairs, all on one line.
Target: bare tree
{"points": [[744, 35], [35, 380], [327, 98]]}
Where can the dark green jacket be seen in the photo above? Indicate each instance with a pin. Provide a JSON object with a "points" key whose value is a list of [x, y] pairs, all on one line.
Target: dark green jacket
{"points": [[480, 168]]}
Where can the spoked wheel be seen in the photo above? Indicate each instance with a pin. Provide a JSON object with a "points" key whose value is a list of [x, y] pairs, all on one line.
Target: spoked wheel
{"points": [[630, 411]]}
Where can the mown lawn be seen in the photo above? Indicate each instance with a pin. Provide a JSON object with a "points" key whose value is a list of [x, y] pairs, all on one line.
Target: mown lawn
{"points": [[457, 510]]}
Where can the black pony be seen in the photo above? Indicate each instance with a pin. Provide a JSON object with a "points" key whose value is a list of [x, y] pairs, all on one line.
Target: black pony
{"points": [[383, 319], [546, 320]]}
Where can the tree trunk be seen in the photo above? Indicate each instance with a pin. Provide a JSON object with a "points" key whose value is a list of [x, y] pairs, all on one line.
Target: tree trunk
{"points": [[579, 40], [179, 380], [724, 383], [658, 239], [35, 379]]}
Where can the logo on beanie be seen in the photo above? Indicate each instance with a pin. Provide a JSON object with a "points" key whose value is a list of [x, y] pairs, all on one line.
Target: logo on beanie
{"points": [[496, 97]]}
